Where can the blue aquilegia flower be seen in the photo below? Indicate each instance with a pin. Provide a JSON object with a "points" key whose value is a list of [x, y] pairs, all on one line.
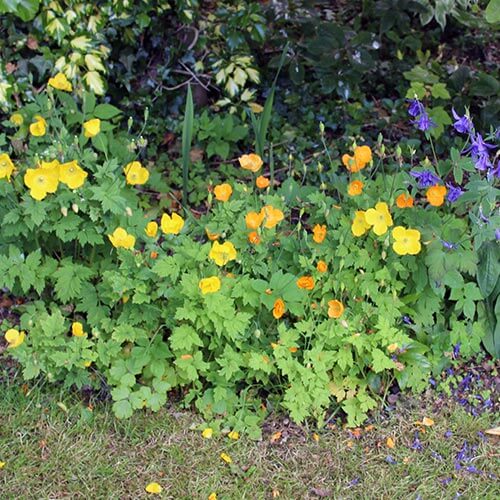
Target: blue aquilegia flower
{"points": [[417, 110], [479, 151], [454, 193], [448, 245], [424, 122], [463, 124], [425, 178]]}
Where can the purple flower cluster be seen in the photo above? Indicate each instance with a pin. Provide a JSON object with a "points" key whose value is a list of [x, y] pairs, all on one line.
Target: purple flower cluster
{"points": [[478, 149], [417, 110], [454, 193]]}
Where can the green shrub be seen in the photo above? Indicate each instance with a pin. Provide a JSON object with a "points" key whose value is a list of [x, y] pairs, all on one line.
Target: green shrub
{"points": [[280, 296]]}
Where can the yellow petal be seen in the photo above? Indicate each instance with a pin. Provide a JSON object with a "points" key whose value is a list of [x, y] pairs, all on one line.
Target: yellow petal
{"points": [[154, 488]]}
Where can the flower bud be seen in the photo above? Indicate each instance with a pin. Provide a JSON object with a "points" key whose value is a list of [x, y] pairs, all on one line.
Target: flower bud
{"points": [[130, 123], [75, 208], [257, 333], [64, 211], [321, 128], [128, 211]]}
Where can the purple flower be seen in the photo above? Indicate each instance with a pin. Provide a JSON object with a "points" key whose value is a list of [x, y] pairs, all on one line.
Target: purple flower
{"points": [[390, 460], [432, 382], [425, 178], [494, 172], [415, 108], [472, 469], [497, 234], [456, 350], [407, 320], [482, 216], [448, 434], [454, 193], [446, 481], [354, 482], [463, 125], [448, 245], [479, 152], [416, 445], [424, 122]]}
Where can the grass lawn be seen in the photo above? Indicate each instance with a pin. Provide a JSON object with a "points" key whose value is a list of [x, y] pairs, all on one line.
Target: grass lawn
{"points": [[55, 448]]}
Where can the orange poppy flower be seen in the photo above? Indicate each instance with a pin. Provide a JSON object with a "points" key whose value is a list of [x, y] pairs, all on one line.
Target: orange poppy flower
{"points": [[254, 220], [262, 182], [254, 238], [335, 309], [272, 216], [322, 266], [319, 233], [279, 308], [404, 201], [435, 195], [306, 282], [223, 192], [355, 188]]}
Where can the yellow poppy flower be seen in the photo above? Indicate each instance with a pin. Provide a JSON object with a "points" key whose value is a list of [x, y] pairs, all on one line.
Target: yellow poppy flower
{"points": [[171, 224], [136, 173], [223, 192], [39, 127], [379, 218], [392, 347], [359, 225], [355, 188], [72, 174], [234, 435], [6, 166], [406, 241], [91, 127], [319, 233], [17, 119], [77, 329], [252, 162], [151, 229], [209, 285], [121, 239], [272, 216], [60, 82], [222, 254], [14, 338], [226, 458], [42, 180], [207, 433], [154, 488]]}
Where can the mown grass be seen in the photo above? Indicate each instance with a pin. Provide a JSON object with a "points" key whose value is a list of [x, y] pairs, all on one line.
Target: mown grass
{"points": [[55, 448]]}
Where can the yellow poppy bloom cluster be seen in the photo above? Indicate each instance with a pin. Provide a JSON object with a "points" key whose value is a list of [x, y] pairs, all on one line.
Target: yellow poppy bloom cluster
{"points": [[378, 218], [45, 179]]}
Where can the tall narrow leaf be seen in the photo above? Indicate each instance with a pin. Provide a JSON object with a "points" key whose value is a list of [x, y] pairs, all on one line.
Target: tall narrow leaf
{"points": [[261, 125], [187, 137]]}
